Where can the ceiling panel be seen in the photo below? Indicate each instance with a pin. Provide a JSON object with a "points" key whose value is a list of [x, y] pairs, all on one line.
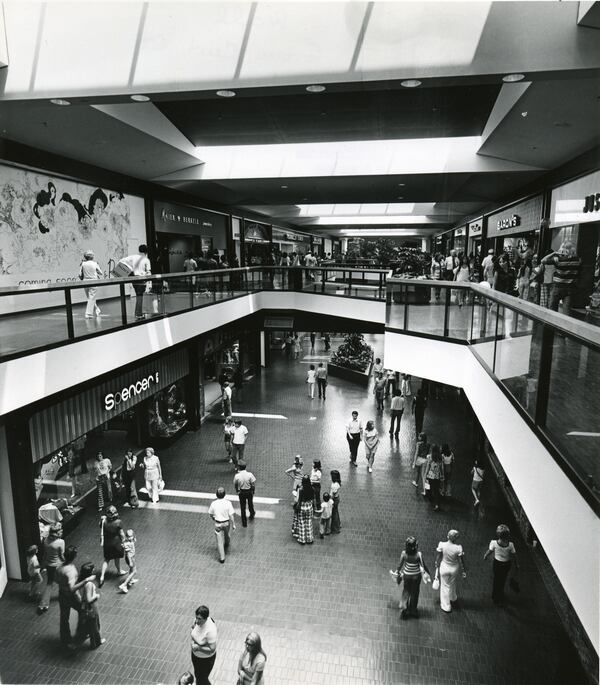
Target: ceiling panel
{"points": [[326, 117]]}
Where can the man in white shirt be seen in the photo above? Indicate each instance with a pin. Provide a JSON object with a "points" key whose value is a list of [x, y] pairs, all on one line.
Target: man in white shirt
{"points": [[487, 267], [140, 266], [240, 435], [226, 399], [322, 380], [450, 264], [244, 483], [221, 512], [397, 409], [90, 271], [204, 644], [354, 431]]}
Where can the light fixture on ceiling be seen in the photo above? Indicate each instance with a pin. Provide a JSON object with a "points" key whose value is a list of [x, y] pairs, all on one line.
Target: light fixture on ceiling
{"points": [[401, 185], [60, 102], [284, 187], [226, 93], [316, 88], [524, 114], [139, 98], [513, 78], [400, 197], [411, 83], [366, 219], [373, 232]]}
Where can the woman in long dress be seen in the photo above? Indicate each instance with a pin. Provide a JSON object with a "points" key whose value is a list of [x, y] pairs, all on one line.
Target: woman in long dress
{"points": [[334, 491], [152, 473], [449, 564], [302, 526], [412, 569]]}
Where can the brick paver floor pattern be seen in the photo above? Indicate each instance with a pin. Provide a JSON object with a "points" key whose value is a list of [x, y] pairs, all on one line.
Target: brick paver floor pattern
{"points": [[327, 613]]}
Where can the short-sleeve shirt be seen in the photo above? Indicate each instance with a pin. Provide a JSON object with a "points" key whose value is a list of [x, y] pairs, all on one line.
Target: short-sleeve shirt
{"points": [[250, 666], [103, 467], [244, 480], [53, 552], [221, 509], [66, 577], [138, 263], [397, 403], [311, 375], [334, 491], [240, 434], [209, 632], [450, 552], [502, 553], [322, 372], [354, 426], [90, 270]]}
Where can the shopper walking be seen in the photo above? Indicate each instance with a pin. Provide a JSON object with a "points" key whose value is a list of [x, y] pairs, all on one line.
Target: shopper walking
{"points": [[371, 443], [327, 341], [251, 664], [68, 584], [302, 525], [418, 409], [34, 573], [226, 399], [449, 563], [221, 512], [204, 645], [379, 391], [411, 570], [311, 379], [297, 347], [89, 619], [90, 271], [53, 557], [321, 380], [334, 491], [244, 483], [477, 473], [138, 265], [377, 368], [315, 481], [567, 266], [128, 479], [102, 468], [238, 442], [129, 548], [228, 428], [419, 461], [434, 472], [313, 337], [354, 432], [112, 537], [406, 388], [396, 410], [152, 474], [448, 462], [504, 553]]}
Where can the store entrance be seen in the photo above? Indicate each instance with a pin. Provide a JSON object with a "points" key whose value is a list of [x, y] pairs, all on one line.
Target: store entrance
{"points": [[257, 253]]}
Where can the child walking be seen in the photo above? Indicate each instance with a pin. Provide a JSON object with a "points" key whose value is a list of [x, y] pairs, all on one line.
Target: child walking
{"points": [[129, 547], [326, 511], [34, 571]]}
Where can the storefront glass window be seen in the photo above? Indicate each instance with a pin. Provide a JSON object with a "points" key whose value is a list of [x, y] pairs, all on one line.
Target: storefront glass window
{"points": [[167, 412]]}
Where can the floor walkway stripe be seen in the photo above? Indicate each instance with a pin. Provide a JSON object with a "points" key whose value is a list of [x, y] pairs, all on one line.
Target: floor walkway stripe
{"points": [[259, 416], [196, 509], [211, 495]]}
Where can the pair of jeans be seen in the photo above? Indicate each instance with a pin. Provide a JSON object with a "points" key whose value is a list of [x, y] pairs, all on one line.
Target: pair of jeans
{"points": [[66, 602], [410, 594], [379, 401], [246, 497], [202, 668], [317, 496], [91, 308], [89, 625], [322, 384], [237, 452], [501, 570], [396, 419], [434, 491], [353, 442], [325, 526], [140, 289], [50, 577], [222, 535], [419, 415], [558, 293]]}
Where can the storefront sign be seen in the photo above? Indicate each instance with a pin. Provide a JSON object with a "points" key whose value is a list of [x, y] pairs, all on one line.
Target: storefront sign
{"points": [[475, 228], [523, 217], [60, 424], [459, 231], [256, 233], [577, 202], [172, 218], [114, 399], [509, 222], [317, 241]]}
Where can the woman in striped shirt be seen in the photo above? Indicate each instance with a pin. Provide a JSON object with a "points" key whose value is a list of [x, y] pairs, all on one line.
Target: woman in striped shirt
{"points": [[411, 569]]}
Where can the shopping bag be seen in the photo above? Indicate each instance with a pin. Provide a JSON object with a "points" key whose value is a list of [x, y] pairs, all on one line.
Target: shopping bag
{"points": [[122, 269], [150, 303]]}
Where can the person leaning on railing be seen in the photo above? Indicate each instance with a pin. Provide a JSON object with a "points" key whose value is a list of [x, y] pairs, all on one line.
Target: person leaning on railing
{"points": [[567, 266]]}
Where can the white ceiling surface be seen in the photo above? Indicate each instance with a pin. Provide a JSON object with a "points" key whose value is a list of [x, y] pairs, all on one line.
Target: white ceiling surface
{"points": [[69, 48]]}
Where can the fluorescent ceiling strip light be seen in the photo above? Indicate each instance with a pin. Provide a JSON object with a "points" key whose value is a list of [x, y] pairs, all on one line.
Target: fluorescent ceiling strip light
{"points": [[372, 232], [375, 220], [367, 208]]}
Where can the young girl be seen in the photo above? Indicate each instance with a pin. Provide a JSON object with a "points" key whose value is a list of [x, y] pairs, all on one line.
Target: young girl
{"points": [[371, 442], [477, 472], [295, 472], [315, 481], [448, 460], [419, 461], [311, 379], [89, 621], [228, 430], [34, 572], [129, 547], [334, 491], [462, 274]]}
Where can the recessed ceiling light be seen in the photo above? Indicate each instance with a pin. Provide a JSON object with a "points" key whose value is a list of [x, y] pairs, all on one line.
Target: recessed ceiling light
{"points": [[140, 98], [60, 101], [400, 197], [401, 185], [411, 83], [513, 78], [315, 89], [226, 93], [284, 187], [524, 114]]}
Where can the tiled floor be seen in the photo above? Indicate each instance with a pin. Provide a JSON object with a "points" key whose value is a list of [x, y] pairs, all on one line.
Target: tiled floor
{"points": [[327, 613]]}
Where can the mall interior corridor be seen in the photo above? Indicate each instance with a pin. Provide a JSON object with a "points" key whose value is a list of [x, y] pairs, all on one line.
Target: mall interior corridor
{"points": [[328, 612]]}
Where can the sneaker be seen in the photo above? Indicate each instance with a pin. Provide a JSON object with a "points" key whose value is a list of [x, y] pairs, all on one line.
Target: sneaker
{"points": [[415, 484], [370, 470], [102, 641], [133, 581], [122, 573], [123, 589]]}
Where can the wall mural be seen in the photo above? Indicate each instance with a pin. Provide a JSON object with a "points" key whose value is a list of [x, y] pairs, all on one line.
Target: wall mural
{"points": [[46, 224]]}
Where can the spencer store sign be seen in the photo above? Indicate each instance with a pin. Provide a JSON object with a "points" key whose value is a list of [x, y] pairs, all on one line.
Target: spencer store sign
{"points": [[113, 399]]}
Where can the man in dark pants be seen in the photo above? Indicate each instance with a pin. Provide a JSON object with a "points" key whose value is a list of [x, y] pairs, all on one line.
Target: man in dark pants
{"points": [[321, 380], [204, 645], [397, 409], [418, 408], [354, 431], [244, 483], [139, 264]]}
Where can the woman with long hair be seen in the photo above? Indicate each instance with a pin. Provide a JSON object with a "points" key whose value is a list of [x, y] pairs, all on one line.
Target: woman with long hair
{"points": [[434, 472], [334, 491], [371, 438], [128, 479], [411, 569], [152, 473], [302, 526], [448, 462], [504, 554], [251, 665], [112, 538], [419, 462], [448, 564], [102, 469], [89, 620]]}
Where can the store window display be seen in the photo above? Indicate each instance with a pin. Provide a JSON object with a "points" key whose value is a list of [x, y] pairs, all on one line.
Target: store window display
{"points": [[167, 412]]}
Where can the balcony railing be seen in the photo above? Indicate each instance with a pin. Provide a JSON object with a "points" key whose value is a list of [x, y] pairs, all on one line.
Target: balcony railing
{"points": [[547, 364], [36, 317]]}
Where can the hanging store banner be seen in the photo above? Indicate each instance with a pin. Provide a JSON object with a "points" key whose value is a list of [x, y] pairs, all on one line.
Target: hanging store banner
{"points": [[577, 202], [475, 228]]}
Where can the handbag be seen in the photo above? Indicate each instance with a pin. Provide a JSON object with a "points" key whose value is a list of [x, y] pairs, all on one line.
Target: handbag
{"points": [[122, 269], [161, 484], [436, 581]]}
